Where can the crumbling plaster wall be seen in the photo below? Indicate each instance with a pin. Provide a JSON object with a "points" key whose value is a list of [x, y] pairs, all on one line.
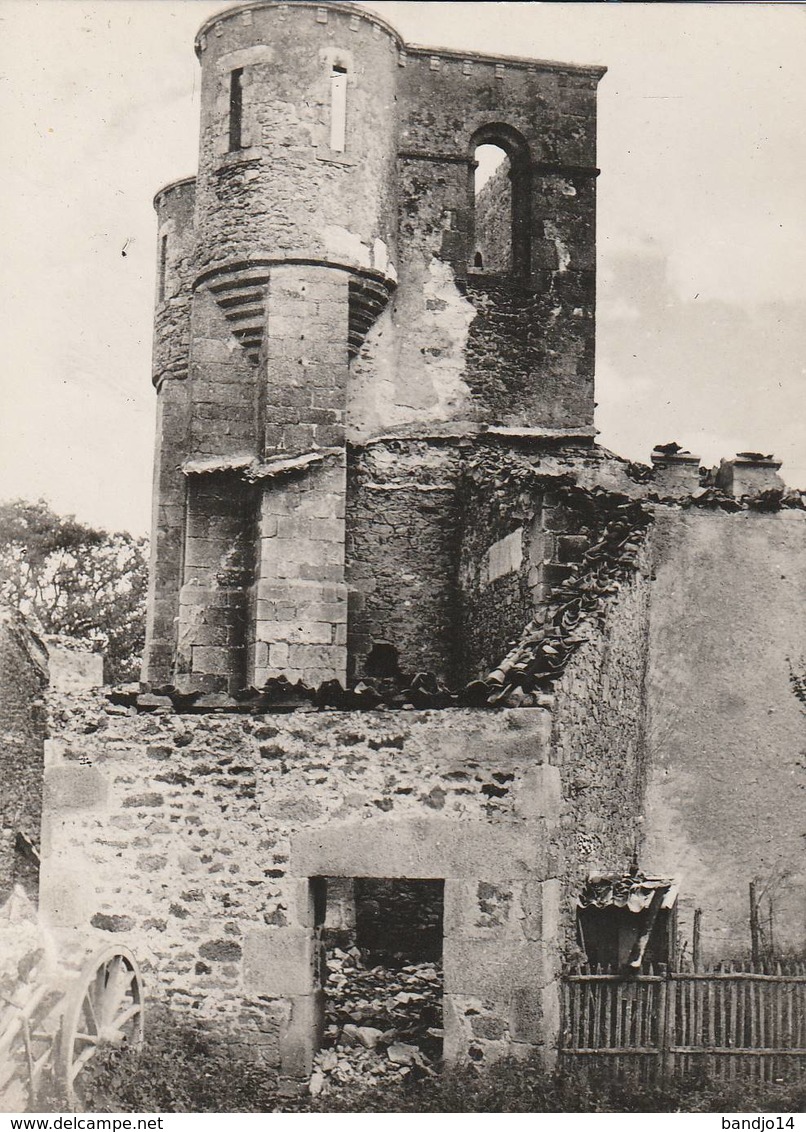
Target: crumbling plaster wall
{"points": [[727, 785], [23, 678], [192, 837], [600, 743], [545, 324]]}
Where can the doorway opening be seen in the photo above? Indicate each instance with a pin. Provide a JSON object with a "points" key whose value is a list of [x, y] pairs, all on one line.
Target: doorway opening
{"points": [[383, 981]]}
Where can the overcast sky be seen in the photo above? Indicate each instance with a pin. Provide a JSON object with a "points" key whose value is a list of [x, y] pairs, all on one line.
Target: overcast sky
{"points": [[701, 227]]}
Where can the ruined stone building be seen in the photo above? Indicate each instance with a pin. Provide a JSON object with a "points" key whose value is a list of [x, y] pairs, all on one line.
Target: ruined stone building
{"points": [[407, 619]]}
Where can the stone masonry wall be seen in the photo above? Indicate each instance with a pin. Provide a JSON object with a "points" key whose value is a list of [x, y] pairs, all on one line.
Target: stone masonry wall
{"points": [[175, 207], [298, 618], [284, 192], [449, 104], [23, 678], [192, 838], [402, 530], [218, 566], [494, 569]]}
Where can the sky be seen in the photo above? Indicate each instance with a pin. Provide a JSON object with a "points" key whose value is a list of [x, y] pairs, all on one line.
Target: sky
{"points": [[701, 223]]}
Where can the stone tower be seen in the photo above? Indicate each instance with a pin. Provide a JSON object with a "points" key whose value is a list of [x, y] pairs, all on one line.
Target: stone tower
{"points": [[328, 344]]}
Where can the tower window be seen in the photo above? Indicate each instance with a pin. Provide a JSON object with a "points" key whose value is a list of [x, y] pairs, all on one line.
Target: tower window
{"points": [[235, 108], [163, 268], [338, 109], [493, 201], [500, 204]]}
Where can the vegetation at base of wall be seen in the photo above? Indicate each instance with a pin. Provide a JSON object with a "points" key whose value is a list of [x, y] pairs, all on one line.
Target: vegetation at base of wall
{"points": [[181, 1068], [77, 581]]}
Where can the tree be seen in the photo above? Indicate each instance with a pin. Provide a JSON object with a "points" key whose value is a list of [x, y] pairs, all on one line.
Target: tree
{"points": [[77, 580]]}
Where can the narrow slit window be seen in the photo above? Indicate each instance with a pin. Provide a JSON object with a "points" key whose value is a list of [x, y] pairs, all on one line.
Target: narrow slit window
{"points": [[163, 267], [235, 108], [338, 109]]}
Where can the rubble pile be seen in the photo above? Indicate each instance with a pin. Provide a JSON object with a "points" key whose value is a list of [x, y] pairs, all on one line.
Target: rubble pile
{"points": [[381, 1023]]}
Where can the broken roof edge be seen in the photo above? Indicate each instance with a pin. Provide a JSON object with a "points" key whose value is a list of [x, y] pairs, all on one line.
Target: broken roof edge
{"points": [[474, 430], [517, 432], [633, 891], [251, 468]]}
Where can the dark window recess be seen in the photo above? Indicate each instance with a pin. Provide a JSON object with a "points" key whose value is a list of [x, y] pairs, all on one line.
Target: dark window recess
{"points": [[163, 266], [382, 662], [235, 108]]}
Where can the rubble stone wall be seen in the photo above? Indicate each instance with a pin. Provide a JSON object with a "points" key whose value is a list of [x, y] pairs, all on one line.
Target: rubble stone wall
{"points": [[402, 539], [23, 678], [494, 576], [727, 785], [541, 319], [194, 839]]}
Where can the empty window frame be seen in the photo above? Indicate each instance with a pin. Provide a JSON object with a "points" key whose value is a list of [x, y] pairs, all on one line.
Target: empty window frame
{"points": [[493, 221], [235, 108], [499, 194], [338, 109]]}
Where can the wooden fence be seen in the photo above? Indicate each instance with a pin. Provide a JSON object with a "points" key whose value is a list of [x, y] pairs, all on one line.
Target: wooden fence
{"points": [[726, 1023]]}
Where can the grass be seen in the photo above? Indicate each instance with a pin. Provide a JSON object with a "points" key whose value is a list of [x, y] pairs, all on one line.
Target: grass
{"points": [[183, 1069]]}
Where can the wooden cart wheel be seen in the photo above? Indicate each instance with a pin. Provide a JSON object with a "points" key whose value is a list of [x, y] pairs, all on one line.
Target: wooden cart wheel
{"points": [[104, 1006]]}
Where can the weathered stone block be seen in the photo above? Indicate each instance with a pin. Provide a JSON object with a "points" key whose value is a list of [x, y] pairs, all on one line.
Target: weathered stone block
{"points": [[540, 906], [422, 848], [278, 961], [302, 1036], [213, 660], [539, 793], [481, 910], [74, 788], [485, 968]]}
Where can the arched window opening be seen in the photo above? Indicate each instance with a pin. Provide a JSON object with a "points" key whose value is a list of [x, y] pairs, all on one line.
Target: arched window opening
{"points": [[338, 109], [235, 108], [492, 184]]}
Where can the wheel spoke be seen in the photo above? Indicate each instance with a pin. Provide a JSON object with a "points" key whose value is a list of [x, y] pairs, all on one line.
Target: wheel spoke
{"points": [[126, 1016], [88, 1009], [114, 992], [107, 1007], [81, 1061]]}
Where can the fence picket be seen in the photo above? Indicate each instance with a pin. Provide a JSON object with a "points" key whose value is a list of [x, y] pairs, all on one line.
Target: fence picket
{"points": [[724, 1022]]}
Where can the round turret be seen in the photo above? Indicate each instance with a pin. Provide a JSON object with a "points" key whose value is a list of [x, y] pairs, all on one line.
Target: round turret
{"points": [[174, 205], [298, 137]]}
